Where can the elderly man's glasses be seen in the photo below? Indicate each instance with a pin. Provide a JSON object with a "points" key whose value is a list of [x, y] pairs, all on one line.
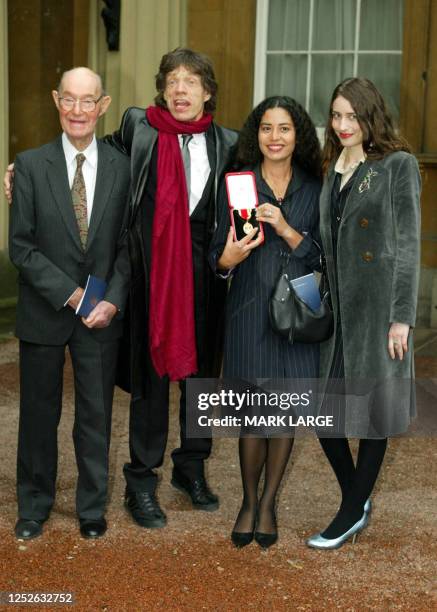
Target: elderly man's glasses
{"points": [[87, 104]]}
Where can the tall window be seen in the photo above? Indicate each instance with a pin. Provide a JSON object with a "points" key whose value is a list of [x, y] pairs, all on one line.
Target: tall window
{"points": [[304, 48]]}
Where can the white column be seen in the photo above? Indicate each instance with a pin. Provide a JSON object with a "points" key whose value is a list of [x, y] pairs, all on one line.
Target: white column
{"points": [[148, 30], [4, 120]]}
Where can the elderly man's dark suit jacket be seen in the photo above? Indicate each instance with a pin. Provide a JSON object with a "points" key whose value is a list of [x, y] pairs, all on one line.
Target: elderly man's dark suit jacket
{"points": [[45, 245]]}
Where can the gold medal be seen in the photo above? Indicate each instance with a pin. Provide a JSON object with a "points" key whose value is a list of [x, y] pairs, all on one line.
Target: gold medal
{"points": [[247, 228]]}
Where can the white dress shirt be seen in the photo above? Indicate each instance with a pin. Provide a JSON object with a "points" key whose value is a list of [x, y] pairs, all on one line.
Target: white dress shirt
{"points": [[89, 171], [346, 171], [200, 167], [89, 168]]}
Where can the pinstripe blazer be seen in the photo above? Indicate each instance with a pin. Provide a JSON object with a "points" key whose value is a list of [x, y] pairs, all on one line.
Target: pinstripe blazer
{"points": [[252, 349]]}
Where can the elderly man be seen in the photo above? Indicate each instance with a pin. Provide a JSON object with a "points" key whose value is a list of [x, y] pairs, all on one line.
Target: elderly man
{"points": [[68, 221], [175, 314], [178, 155]]}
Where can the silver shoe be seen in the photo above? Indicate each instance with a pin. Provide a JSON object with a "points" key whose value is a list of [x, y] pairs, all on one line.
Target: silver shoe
{"points": [[318, 541], [368, 507]]}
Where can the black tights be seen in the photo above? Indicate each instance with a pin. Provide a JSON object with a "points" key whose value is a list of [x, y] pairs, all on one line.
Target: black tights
{"points": [[356, 481], [255, 453]]}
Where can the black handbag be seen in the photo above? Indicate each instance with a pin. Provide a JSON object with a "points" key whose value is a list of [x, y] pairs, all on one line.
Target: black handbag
{"points": [[292, 318]]}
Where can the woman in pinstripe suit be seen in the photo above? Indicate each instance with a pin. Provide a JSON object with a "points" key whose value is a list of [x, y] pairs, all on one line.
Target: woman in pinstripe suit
{"points": [[279, 143]]}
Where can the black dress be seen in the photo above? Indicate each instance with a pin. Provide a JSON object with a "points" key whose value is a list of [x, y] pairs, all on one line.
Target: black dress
{"points": [[334, 400], [338, 202]]}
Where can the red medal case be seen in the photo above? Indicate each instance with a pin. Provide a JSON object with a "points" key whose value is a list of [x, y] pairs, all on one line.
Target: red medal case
{"points": [[242, 202]]}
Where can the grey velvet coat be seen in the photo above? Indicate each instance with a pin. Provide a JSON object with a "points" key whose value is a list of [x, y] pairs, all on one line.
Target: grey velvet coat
{"points": [[378, 261]]}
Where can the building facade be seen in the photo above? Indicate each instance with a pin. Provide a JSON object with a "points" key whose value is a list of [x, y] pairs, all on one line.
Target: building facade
{"points": [[301, 48]]}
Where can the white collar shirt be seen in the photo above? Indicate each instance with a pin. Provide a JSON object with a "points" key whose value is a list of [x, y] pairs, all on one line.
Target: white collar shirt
{"points": [[346, 171], [200, 168], [89, 168]]}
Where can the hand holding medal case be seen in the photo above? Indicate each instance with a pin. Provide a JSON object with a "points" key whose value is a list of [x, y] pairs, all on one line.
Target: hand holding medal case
{"points": [[242, 201]]}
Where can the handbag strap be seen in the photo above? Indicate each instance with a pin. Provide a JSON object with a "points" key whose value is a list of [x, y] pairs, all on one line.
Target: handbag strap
{"points": [[284, 257]]}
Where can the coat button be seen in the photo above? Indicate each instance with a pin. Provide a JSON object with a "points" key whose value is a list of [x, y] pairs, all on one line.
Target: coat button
{"points": [[364, 223], [367, 256]]}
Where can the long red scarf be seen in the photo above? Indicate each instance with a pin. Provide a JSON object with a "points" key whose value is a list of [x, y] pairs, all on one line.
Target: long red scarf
{"points": [[171, 319]]}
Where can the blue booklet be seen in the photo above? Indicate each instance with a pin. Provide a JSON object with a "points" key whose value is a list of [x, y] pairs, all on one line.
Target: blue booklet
{"points": [[94, 293], [307, 289]]}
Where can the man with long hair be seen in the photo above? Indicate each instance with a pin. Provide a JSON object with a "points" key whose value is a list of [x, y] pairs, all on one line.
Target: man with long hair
{"points": [[178, 155]]}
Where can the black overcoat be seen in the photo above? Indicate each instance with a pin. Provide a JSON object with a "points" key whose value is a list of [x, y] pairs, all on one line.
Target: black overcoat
{"points": [[137, 138]]}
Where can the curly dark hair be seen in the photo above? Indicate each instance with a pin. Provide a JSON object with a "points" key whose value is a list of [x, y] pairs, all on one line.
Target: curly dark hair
{"points": [[307, 151], [198, 63], [379, 135]]}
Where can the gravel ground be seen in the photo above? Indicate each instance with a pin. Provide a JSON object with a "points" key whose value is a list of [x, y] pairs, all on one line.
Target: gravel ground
{"points": [[192, 565]]}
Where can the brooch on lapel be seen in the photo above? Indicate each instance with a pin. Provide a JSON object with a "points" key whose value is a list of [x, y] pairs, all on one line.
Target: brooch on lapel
{"points": [[365, 183]]}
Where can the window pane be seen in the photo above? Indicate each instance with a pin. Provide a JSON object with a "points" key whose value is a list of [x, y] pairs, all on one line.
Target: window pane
{"points": [[286, 75], [288, 25], [334, 24], [385, 72], [381, 25], [327, 72]]}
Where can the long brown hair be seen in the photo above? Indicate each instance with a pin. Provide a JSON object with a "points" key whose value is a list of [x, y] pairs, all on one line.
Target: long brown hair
{"points": [[379, 135]]}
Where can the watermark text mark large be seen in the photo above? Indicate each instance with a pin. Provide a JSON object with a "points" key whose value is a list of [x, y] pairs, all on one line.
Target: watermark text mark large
{"points": [[288, 407]]}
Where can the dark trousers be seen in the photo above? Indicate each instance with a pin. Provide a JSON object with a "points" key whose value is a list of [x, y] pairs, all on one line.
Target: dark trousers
{"points": [[148, 431], [41, 373]]}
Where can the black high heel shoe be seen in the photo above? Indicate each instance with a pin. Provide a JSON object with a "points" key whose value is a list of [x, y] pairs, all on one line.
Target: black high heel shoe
{"points": [[241, 539], [265, 540]]}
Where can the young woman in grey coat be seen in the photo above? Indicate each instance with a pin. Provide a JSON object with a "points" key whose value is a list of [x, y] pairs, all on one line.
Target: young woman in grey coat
{"points": [[370, 230]]}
